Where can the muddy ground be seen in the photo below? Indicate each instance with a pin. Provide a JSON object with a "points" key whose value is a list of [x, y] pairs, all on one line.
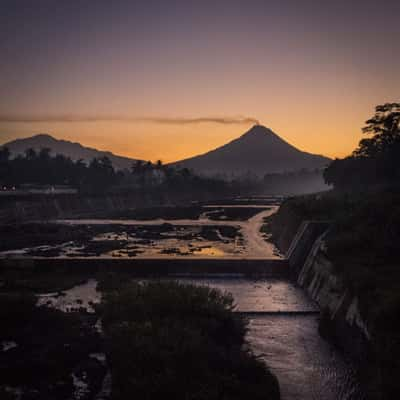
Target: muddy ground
{"points": [[52, 239], [46, 354], [55, 240]]}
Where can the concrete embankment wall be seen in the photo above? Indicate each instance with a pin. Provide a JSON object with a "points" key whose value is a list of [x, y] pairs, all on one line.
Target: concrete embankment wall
{"points": [[155, 267], [41, 206], [302, 243], [341, 319], [77, 205]]}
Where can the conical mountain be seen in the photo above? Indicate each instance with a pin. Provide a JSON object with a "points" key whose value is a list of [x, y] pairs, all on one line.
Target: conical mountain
{"points": [[258, 151]]}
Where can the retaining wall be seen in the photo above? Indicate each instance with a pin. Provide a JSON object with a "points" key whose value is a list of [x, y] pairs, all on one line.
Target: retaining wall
{"points": [[161, 267]]}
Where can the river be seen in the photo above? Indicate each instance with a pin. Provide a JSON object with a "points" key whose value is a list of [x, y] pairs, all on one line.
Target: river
{"points": [[283, 330], [283, 322]]}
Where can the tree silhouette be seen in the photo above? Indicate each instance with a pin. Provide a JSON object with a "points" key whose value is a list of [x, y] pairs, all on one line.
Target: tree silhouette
{"points": [[44, 154], [30, 154], [375, 160], [4, 165], [159, 164], [385, 127], [4, 154], [99, 177]]}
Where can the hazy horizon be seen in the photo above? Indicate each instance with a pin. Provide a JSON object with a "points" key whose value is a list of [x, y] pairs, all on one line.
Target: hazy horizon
{"points": [[163, 159], [312, 74]]}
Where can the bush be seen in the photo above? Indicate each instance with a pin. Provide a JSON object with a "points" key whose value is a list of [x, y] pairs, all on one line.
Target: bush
{"points": [[167, 339]]}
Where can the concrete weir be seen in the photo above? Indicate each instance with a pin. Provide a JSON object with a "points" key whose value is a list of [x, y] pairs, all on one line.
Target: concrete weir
{"points": [[158, 266]]}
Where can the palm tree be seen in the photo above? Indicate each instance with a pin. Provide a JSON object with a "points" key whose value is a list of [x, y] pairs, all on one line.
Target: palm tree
{"points": [[137, 167], [30, 154], [4, 154]]}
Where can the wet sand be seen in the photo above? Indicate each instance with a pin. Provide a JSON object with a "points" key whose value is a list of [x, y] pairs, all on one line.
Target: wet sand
{"points": [[255, 246]]}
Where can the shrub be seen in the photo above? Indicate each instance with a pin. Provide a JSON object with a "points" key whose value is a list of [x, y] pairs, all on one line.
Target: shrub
{"points": [[168, 339]]}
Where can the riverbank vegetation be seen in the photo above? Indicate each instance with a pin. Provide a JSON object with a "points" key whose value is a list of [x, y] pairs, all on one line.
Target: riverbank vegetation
{"points": [[45, 353], [167, 339], [159, 338], [363, 247], [375, 161], [364, 211]]}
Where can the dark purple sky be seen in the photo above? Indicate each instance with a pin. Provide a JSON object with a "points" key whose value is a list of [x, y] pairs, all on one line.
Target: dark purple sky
{"points": [[313, 71]]}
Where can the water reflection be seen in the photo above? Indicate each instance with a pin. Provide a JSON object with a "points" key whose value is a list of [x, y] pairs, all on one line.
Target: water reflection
{"points": [[79, 296], [307, 367], [266, 295]]}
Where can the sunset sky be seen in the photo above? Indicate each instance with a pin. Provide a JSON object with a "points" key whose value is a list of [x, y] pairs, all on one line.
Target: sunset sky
{"points": [[170, 79]]}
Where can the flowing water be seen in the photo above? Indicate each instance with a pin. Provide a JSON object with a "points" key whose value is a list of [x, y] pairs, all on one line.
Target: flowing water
{"points": [[307, 367], [80, 296], [283, 330]]}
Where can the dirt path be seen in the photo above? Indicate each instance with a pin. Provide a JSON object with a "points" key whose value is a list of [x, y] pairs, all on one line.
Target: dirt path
{"points": [[256, 245]]}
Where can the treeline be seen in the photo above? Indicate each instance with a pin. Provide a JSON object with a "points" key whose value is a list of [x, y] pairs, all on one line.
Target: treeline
{"points": [[39, 167], [376, 159], [99, 175]]}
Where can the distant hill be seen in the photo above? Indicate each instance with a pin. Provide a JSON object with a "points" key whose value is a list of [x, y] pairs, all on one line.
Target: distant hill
{"points": [[259, 151], [70, 149]]}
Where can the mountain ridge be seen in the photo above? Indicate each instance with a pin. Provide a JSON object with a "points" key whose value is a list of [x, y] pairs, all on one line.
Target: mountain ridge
{"points": [[75, 150], [258, 151]]}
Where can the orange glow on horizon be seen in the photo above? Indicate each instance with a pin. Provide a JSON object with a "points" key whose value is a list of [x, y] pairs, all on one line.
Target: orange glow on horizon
{"points": [[312, 74], [169, 142]]}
